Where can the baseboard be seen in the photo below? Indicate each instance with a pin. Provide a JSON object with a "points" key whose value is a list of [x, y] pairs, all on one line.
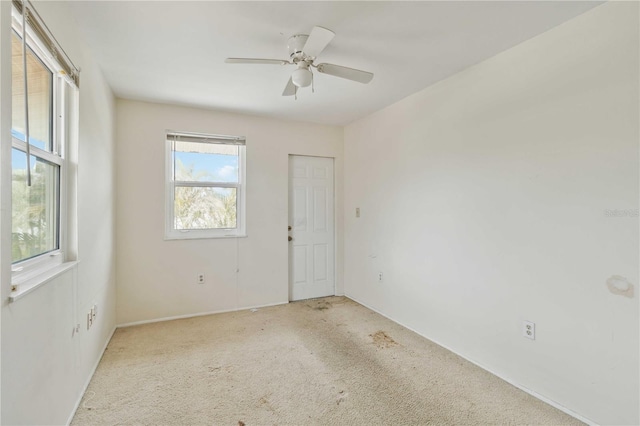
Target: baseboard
{"points": [[93, 371], [199, 314], [506, 379]]}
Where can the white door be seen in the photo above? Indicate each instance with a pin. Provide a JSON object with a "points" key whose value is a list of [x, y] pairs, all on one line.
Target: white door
{"points": [[311, 222]]}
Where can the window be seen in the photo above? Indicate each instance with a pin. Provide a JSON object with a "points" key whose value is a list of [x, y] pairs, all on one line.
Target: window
{"points": [[39, 165], [205, 186]]}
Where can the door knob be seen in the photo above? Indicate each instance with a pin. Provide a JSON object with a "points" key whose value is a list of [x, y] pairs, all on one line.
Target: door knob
{"points": [[289, 227], [290, 238]]}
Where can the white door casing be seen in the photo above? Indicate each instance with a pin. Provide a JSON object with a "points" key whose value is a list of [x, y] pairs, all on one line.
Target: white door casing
{"points": [[312, 235]]}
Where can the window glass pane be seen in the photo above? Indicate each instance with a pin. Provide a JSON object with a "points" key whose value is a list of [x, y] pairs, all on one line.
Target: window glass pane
{"points": [[39, 80], [34, 215], [205, 162], [205, 208]]}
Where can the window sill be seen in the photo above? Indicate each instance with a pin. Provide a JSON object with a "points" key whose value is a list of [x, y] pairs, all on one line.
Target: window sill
{"points": [[187, 236], [27, 286]]}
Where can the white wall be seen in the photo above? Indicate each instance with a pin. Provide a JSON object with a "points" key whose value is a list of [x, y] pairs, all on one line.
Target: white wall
{"points": [[483, 202], [44, 368], [157, 278]]}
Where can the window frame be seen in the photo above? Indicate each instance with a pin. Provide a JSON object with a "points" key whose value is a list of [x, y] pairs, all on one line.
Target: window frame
{"points": [[171, 233], [62, 110]]}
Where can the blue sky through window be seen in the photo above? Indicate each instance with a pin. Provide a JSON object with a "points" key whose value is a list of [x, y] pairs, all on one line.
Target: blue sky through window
{"points": [[19, 158], [209, 167], [34, 142]]}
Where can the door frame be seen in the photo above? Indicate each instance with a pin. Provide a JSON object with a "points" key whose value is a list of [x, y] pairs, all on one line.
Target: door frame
{"points": [[335, 223]]}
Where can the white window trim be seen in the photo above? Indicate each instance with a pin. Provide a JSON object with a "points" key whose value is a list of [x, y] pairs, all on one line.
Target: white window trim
{"points": [[31, 273], [179, 234]]}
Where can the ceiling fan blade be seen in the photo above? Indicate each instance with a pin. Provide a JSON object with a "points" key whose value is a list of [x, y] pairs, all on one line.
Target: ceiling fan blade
{"points": [[344, 72], [256, 61], [290, 89], [317, 41]]}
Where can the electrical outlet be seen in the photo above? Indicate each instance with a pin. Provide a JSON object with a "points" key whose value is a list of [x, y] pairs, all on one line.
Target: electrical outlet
{"points": [[529, 330], [379, 276], [93, 312], [200, 278]]}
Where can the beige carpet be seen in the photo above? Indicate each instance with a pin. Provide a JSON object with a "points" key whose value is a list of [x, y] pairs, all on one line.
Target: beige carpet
{"points": [[324, 361]]}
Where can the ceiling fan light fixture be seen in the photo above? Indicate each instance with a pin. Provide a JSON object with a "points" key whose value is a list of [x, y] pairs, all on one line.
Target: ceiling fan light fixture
{"points": [[301, 77]]}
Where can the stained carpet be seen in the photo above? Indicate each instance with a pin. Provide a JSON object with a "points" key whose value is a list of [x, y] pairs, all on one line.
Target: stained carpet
{"points": [[326, 361]]}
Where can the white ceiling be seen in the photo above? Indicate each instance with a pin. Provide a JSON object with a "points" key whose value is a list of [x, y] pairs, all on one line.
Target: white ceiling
{"points": [[174, 51]]}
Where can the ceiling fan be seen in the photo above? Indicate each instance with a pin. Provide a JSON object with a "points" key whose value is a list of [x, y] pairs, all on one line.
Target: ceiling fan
{"points": [[303, 51]]}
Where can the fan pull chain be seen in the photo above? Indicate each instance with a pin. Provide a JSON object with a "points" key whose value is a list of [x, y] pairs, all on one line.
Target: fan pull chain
{"points": [[295, 93], [313, 89]]}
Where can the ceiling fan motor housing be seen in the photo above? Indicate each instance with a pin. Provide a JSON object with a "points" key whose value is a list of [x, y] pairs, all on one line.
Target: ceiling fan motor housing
{"points": [[296, 44]]}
